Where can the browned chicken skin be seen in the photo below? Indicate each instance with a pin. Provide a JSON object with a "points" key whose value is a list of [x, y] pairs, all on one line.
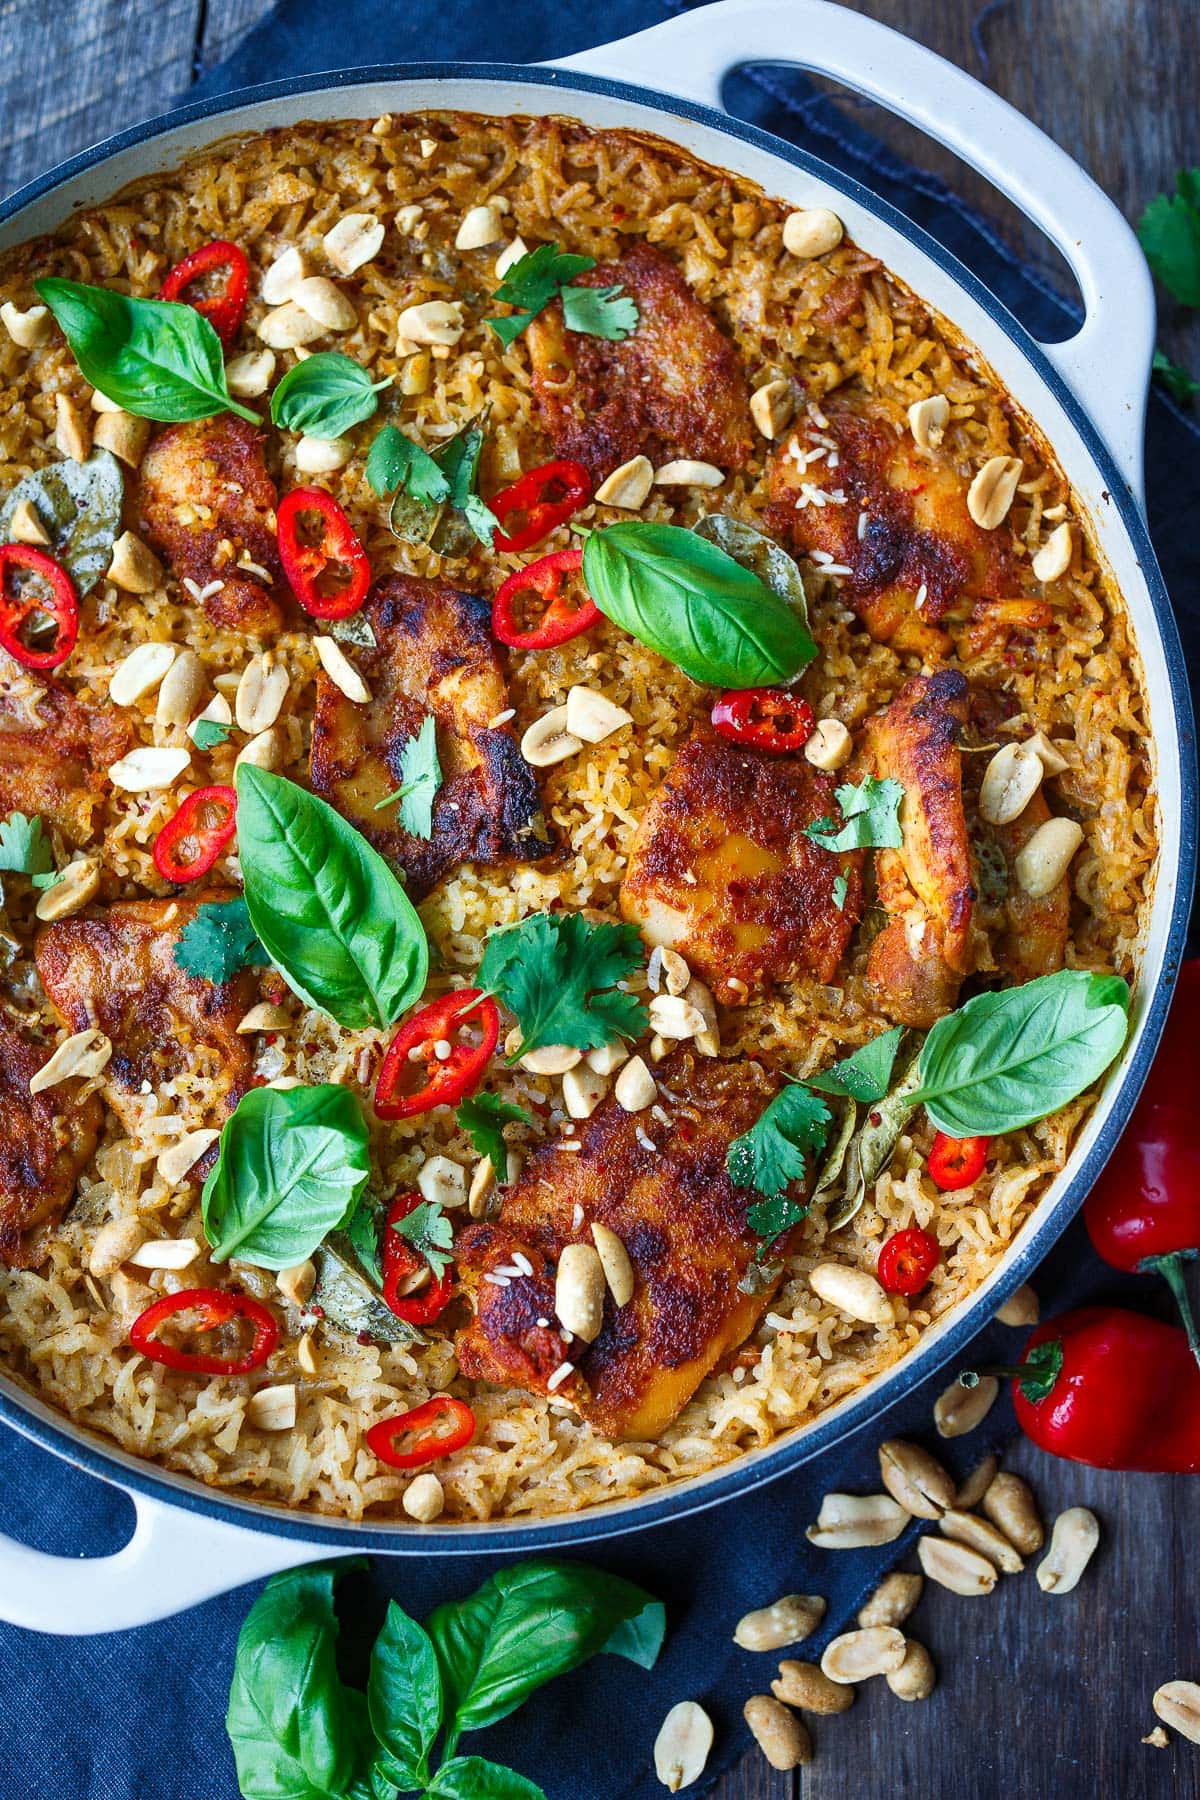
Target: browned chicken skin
{"points": [[118, 972], [434, 654], [721, 869], [916, 533], [682, 1222], [675, 388], [208, 504], [45, 1141], [54, 755]]}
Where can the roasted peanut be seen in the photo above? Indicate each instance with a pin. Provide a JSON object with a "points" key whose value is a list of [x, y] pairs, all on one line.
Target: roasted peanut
{"points": [[786, 1621], [982, 1535], [1072, 1545], [956, 1566], [779, 1734], [1009, 1503], [892, 1600], [964, 1405], [854, 1521], [808, 1687], [682, 1746], [1177, 1704], [915, 1478], [916, 1677], [857, 1655]]}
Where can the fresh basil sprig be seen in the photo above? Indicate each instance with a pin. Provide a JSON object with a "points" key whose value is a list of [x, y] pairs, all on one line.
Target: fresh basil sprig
{"points": [[1005, 1059], [325, 395], [298, 1733], [686, 598], [155, 358], [331, 915], [291, 1165]]}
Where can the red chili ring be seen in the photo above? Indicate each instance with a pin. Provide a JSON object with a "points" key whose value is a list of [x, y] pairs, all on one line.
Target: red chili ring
{"points": [[765, 718], [957, 1162], [16, 609], [448, 1078], [538, 501], [430, 1444], [223, 310], [214, 1307], [548, 578], [305, 563], [401, 1260], [187, 827], [907, 1261]]}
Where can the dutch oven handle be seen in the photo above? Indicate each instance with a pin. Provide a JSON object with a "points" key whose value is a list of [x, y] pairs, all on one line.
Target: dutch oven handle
{"points": [[1107, 363], [175, 1559]]}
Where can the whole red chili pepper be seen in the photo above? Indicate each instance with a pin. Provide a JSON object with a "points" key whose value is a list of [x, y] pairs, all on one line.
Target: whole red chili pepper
{"points": [[51, 595], [1143, 1215], [538, 501], [191, 841], [957, 1162], [401, 1261], [424, 1046], [907, 1260], [212, 1307], [326, 566], [1112, 1388], [441, 1426], [765, 718], [548, 579], [225, 309]]}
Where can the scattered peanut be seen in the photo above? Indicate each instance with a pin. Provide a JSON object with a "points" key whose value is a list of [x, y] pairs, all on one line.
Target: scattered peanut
{"points": [[1020, 1308], [916, 1677], [272, 1408], [72, 428], [1009, 1503], [854, 1521], [956, 1566], [671, 1016], [289, 327], [1072, 1545], [618, 1269], [786, 1621], [424, 1498], [993, 491], [263, 751], [771, 407], [133, 566], [25, 527], [76, 885], [27, 329], [927, 420], [165, 1253], [1054, 558], [357, 238], [893, 1600], [322, 456], [853, 1292], [431, 322], [1046, 857], [114, 1244], [808, 1687], [629, 486], [857, 1655], [148, 768], [547, 741], [963, 1406], [980, 1534], [977, 1483], [250, 374], [443, 1181], [829, 746], [124, 436], [551, 1059], [592, 717], [579, 1290], [682, 1746], [283, 277], [341, 670], [264, 1016], [1011, 779], [779, 1734], [1177, 1704], [324, 301], [1053, 761], [811, 232], [688, 473], [635, 1087], [583, 1090], [297, 1282], [174, 1162], [261, 693], [140, 672], [915, 1478], [481, 225]]}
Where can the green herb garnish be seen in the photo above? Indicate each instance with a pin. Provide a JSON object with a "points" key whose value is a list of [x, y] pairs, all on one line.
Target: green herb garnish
{"points": [[545, 274], [865, 1074], [429, 1232], [428, 487], [25, 849], [1181, 386], [1169, 231], [483, 1118], [557, 973], [776, 1149], [218, 941], [325, 395], [871, 817], [208, 733], [420, 780]]}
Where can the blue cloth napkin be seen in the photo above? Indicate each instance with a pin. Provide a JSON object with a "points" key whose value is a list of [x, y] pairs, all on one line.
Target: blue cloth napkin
{"points": [[139, 1715]]}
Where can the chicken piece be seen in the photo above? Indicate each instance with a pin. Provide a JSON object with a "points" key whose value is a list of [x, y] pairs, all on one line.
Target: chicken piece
{"points": [[118, 972], [208, 504], [683, 1224], [434, 654], [895, 516], [674, 388], [918, 961], [721, 869], [54, 754], [45, 1141]]}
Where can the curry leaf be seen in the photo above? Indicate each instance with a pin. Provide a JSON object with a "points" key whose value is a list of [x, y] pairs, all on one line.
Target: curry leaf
{"points": [[776, 1149], [558, 972], [291, 1165], [871, 817], [78, 506], [347, 1295], [330, 913], [758, 553], [404, 1695], [155, 358], [325, 395], [691, 602], [871, 1147]]}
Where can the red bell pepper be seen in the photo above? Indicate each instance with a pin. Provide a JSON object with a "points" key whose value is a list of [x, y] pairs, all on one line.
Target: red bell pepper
{"points": [[211, 1307], [401, 1261], [224, 309], [191, 841], [1143, 1215], [50, 595], [326, 566], [907, 1260], [538, 501], [447, 1071], [764, 718], [566, 614], [439, 1427]]}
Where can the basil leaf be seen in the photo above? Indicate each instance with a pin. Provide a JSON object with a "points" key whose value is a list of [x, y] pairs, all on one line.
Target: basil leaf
{"points": [[474, 1778], [758, 553], [328, 910], [687, 599], [78, 506], [347, 1298], [1008, 1058], [297, 1733], [640, 1639], [290, 1167], [404, 1695], [156, 358], [865, 1073], [325, 395], [523, 1627]]}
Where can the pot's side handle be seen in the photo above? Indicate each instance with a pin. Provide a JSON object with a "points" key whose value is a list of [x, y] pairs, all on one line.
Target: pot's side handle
{"points": [[1107, 363], [174, 1559]]}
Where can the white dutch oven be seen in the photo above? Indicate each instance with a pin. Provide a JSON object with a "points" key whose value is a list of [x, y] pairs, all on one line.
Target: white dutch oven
{"points": [[1087, 396]]}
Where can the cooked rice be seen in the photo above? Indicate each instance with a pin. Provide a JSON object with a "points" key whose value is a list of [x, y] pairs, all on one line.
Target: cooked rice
{"points": [[65, 1334]]}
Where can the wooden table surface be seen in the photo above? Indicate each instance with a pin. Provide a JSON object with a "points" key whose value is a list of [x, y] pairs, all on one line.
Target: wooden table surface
{"points": [[1039, 1698]]}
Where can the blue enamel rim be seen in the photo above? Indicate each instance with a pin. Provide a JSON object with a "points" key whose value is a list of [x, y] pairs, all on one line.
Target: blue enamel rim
{"points": [[754, 1469]]}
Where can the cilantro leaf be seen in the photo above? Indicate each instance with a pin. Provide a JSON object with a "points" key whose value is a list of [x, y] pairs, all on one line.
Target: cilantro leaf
{"points": [[840, 887], [483, 1118], [1169, 231], [775, 1150], [24, 847], [865, 1074], [870, 814], [420, 780], [1181, 386], [395, 461], [208, 733], [533, 282], [363, 1229], [556, 972], [771, 1218], [603, 312], [219, 941], [429, 1232]]}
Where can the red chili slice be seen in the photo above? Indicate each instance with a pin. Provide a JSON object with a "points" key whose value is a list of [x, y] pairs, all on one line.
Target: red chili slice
{"points": [[212, 1307], [401, 1261], [326, 566], [224, 309], [439, 1427], [766, 718], [565, 615], [51, 595], [414, 1052], [541, 499], [957, 1162], [907, 1261], [189, 843]]}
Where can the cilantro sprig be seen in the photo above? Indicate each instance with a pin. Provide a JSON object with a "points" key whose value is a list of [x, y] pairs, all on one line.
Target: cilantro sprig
{"points": [[775, 1150], [483, 1118], [420, 781], [25, 849], [870, 817], [558, 973], [547, 274], [208, 733], [429, 1232], [424, 486], [219, 941]]}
